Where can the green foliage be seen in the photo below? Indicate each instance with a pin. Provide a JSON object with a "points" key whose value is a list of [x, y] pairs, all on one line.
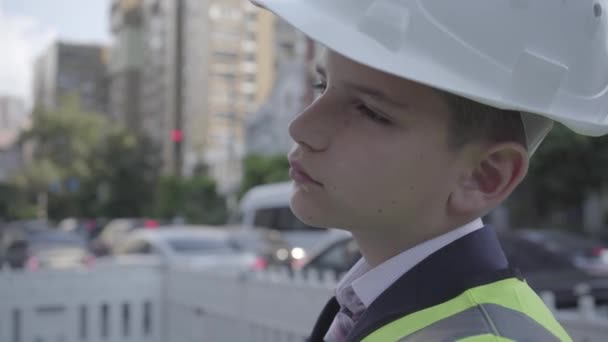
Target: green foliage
{"points": [[566, 167], [194, 199], [14, 204], [260, 169], [88, 165]]}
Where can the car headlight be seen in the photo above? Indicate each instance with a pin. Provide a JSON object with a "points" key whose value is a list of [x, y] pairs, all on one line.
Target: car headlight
{"points": [[298, 253], [282, 254]]}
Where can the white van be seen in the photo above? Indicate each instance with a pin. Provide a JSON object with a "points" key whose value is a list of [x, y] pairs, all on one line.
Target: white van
{"points": [[268, 206]]}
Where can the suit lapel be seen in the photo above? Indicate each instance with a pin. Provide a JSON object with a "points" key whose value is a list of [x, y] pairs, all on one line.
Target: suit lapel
{"points": [[324, 321], [473, 260]]}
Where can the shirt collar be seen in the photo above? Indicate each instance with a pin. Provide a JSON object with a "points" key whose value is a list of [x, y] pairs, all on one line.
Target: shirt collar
{"points": [[368, 283]]}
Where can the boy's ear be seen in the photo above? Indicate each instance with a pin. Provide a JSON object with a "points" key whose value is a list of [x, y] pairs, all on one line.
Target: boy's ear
{"points": [[489, 179]]}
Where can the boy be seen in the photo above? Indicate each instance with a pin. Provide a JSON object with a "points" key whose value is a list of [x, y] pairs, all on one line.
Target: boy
{"points": [[422, 126]]}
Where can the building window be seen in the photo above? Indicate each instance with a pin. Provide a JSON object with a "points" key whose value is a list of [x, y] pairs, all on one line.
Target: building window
{"points": [[226, 115], [225, 56], [252, 16], [226, 76], [215, 11], [251, 35]]}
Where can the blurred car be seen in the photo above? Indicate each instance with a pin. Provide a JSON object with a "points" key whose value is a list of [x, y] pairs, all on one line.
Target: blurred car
{"points": [[195, 247], [15, 255], [58, 250], [543, 268], [337, 252], [89, 228], [115, 231], [13, 240], [49, 249], [23, 228], [584, 252], [266, 243]]}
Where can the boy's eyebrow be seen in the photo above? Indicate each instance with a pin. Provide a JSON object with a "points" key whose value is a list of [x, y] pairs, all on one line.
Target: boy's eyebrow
{"points": [[375, 93], [320, 69]]}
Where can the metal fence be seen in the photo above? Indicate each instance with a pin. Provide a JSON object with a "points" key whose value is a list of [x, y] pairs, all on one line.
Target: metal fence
{"points": [[148, 303]]}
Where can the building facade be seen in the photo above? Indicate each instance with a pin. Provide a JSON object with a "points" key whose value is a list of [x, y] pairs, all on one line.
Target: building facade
{"points": [[69, 69]]}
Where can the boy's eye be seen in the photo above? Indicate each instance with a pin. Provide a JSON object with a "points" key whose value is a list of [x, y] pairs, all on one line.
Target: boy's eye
{"points": [[319, 87], [365, 110]]}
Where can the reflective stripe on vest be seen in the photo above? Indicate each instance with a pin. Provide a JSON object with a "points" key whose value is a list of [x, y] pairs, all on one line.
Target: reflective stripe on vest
{"points": [[508, 309], [484, 319], [485, 338]]}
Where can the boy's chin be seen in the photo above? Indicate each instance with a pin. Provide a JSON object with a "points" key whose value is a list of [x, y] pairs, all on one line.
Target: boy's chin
{"points": [[308, 211]]}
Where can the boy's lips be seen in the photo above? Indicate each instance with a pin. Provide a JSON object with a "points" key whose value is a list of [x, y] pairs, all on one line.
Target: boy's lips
{"points": [[299, 174]]}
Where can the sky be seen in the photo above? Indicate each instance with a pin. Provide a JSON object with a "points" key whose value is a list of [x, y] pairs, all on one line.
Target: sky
{"points": [[28, 27]]}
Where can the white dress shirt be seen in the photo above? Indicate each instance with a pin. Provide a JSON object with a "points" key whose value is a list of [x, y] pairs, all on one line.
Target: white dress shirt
{"points": [[368, 283]]}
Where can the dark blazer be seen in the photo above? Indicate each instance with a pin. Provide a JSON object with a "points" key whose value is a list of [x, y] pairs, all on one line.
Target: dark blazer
{"points": [[473, 260]]}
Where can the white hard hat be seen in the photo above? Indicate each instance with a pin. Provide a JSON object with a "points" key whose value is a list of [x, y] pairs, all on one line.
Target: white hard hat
{"points": [[546, 57]]}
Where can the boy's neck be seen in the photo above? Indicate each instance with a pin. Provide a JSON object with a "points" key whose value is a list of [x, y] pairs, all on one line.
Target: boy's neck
{"points": [[377, 246]]}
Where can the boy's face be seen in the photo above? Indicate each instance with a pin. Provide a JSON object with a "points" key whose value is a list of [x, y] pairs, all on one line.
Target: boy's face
{"points": [[376, 146]]}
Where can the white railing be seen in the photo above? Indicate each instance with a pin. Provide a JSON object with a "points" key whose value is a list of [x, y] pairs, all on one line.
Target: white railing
{"points": [[253, 307], [113, 304], [147, 303]]}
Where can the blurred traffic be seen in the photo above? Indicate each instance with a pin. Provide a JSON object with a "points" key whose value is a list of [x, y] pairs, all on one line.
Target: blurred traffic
{"points": [[264, 234]]}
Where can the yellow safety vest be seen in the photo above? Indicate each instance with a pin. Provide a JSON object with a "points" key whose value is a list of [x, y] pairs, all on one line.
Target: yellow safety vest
{"points": [[506, 310]]}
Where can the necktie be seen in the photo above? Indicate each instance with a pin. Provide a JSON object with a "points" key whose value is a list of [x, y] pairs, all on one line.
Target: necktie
{"points": [[351, 308]]}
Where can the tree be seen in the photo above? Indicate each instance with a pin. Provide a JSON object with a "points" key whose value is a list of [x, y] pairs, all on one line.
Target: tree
{"points": [[564, 170], [259, 169], [195, 199], [64, 140], [86, 165], [127, 169], [14, 204]]}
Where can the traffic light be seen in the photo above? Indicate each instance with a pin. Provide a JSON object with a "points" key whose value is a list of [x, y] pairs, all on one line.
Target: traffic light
{"points": [[177, 135]]}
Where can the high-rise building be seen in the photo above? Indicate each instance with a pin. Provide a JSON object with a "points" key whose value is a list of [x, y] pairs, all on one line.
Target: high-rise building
{"points": [[267, 128], [197, 68], [158, 73], [140, 66], [13, 119], [242, 72], [66, 69]]}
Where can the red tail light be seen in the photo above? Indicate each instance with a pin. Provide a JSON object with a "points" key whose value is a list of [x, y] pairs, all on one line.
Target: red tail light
{"points": [[151, 224], [260, 264], [89, 261], [32, 264], [297, 264], [598, 251]]}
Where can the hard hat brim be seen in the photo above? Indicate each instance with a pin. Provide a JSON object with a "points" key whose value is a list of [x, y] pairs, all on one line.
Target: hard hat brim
{"points": [[365, 49]]}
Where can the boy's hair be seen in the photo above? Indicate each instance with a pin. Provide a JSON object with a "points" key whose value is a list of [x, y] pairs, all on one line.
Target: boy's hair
{"points": [[475, 122]]}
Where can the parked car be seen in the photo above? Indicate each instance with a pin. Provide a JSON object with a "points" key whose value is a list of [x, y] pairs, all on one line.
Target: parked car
{"points": [[584, 252], [13, 240], [49, 249], [115, 231], [337, 252], [198, 247], [58, 250], [268, 206], [89, 228], [268, 244], [545, 269]]}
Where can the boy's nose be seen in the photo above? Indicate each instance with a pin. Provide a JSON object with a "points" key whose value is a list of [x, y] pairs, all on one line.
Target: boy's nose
{"points": [[313, 128]]}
